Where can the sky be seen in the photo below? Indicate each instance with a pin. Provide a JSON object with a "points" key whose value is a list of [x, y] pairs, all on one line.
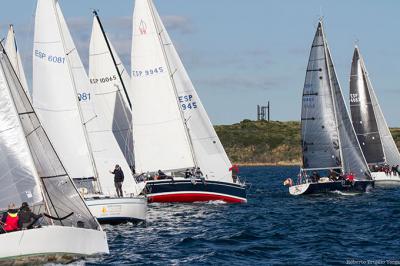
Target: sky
{"points": [[243, 53]]}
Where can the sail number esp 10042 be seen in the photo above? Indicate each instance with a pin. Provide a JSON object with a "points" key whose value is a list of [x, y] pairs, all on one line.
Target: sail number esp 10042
{"points": [[50, 58], [187, 102]]}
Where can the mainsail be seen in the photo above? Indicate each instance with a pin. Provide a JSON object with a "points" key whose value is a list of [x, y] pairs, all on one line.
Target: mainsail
{"points": [[110, 132], [328, 138], [161, 139], [368, 120], [353, 159], [55, 64], [25, 142], [13, 53], [209, 153], [319, 134]]}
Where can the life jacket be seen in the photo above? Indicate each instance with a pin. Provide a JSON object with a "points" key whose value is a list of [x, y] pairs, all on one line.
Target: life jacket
{"points": [[11, 223]]}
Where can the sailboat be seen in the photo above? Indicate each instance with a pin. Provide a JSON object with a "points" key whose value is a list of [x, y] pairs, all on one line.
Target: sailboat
{"points": [[110, 130], [327, 135], [13, 53], [172, 131], [33, 173], [370, 125], [66, 103]]}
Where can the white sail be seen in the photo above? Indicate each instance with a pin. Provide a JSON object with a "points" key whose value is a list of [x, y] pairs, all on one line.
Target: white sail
{"points": [[60, 193], [12, 51], [209, 152], [110, 132], [54, 96], [392, 155], [18, 177], [161, 139]]}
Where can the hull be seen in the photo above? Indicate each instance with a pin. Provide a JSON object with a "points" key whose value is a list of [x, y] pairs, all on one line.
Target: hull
{"points": [[118, 210], [197, 191], [383, 179], [51, 243], [318, 188]]}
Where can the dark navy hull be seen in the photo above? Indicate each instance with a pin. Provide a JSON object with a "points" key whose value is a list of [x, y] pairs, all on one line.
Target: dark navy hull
{"points": [[189, 191], [342, 186]]}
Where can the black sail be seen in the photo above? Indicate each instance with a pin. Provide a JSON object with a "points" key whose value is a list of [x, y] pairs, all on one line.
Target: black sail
{"points": [[363, 113]]}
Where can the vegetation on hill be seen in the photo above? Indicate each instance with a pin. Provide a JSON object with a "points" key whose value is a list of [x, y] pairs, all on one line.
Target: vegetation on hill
{"points": [[262, 142]]}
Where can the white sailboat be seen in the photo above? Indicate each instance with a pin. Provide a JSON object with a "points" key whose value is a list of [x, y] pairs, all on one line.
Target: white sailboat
{"points": [[64, 100], [13, 53], [32, 173], [172, 131], [370, 125], [327, 135], [110, 130]]}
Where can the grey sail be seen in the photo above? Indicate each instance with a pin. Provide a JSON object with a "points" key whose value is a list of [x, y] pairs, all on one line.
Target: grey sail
{"points": [[59, 192], [363, 113], [319, 135], [363, 94], [352, 156]]}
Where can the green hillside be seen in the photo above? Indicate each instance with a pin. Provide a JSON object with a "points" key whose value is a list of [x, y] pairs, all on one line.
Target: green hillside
{"points": [[262, 142]]}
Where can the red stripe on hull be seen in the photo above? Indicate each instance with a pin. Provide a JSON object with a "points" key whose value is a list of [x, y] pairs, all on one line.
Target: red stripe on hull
{"points": [[193, 197]]}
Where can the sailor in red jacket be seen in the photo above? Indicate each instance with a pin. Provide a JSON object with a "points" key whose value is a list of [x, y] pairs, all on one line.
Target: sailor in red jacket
{"points": [[9, 221], [235, 172]]}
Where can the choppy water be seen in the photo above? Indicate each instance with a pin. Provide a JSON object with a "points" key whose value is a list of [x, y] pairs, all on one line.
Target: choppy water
{"points": [[272, 228]]}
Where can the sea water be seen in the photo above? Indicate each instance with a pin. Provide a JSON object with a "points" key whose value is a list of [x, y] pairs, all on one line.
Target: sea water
{"points": [[272, 228]]}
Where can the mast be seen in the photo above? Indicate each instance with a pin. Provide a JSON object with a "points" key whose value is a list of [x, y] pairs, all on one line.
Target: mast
{"points": [[332, 92], [76, 98], [171, 75], [113, 58]]}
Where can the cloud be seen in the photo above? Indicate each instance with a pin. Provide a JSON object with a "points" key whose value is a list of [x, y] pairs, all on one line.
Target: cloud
{"points": [[177, 23]]}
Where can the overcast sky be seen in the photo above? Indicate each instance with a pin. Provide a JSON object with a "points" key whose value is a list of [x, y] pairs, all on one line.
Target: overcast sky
{"points": [[243, 53]]}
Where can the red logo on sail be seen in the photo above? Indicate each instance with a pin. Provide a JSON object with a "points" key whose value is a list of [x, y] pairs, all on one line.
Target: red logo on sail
{"points": [[142, 27]]}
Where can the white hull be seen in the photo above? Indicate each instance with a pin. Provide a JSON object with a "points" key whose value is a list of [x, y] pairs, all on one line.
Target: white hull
{"points": [[383, 179], [51, 243], [118, 210]]}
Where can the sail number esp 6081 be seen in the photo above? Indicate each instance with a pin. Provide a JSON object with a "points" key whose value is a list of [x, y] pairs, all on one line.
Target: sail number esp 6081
{"points": [[50, 58]]}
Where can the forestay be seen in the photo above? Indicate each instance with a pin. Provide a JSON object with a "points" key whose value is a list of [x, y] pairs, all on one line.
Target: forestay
{"points": [[54, 94], [37, 161], [390, 152], [352, 156], [110, 132], [319, 134], [161, 139], [12, 50], [209, 153]]}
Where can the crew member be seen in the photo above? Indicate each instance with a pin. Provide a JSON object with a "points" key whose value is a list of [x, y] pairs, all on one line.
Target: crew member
{"points": [[9, 221], [118, 180]]}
